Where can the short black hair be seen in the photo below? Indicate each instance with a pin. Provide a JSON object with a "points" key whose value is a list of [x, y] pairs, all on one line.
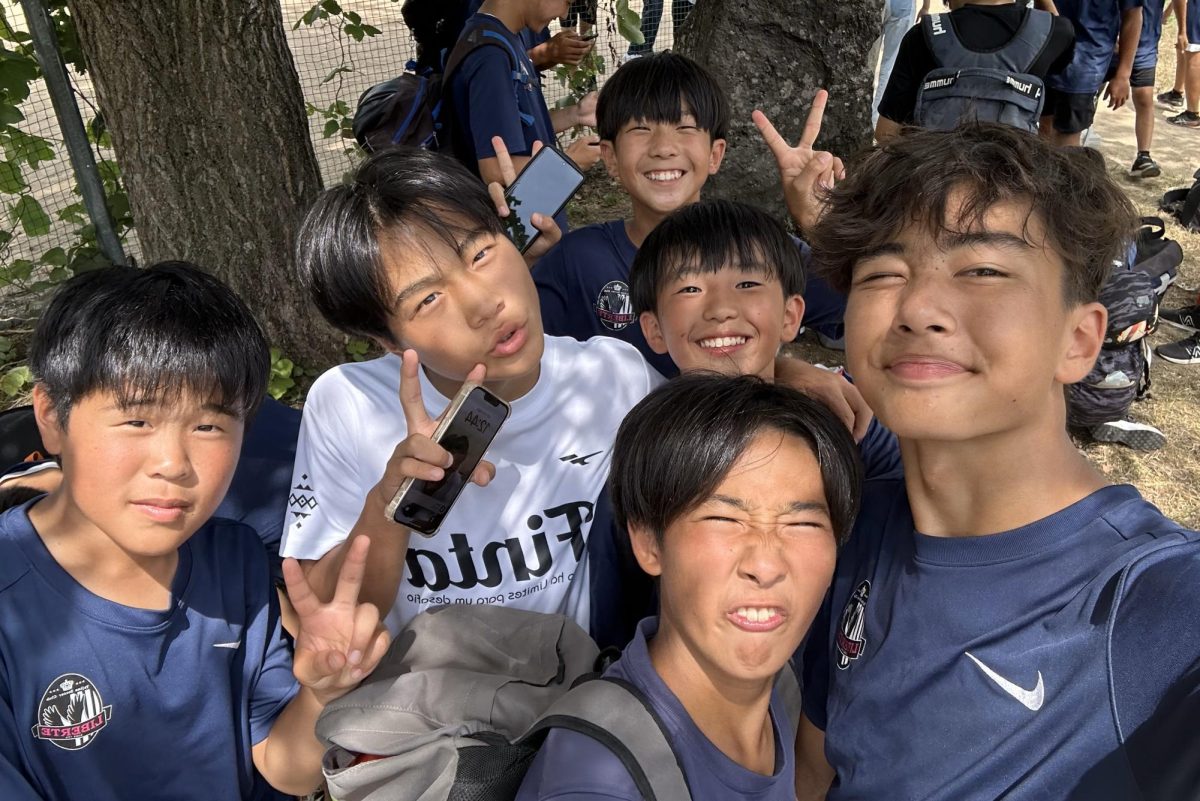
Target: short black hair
{"points": [[150, 335], [402, 194], [656, 88], [17, 495], [708, 236], [913, 178], [676, 446]]}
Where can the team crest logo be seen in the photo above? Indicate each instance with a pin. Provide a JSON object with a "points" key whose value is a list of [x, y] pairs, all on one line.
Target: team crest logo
{"points": [[613, 306], [71, 713], [850, 638]]}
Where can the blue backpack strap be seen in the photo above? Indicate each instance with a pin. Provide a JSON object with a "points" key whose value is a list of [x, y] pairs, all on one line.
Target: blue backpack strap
{"points": [[618, 716], [482, 34], [1017, 55]]}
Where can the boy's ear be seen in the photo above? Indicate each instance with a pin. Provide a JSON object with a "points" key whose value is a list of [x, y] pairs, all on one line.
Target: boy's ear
{"points": [[1084, 338], [389, 346], [716, 156], [652, 331], [646, 549], [47, 419], [793, 314], [609, 154]]}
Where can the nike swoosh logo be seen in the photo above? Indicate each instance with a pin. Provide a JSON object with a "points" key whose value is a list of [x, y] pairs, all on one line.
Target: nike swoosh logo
{"points": [[237, 644], [1030, 699]]}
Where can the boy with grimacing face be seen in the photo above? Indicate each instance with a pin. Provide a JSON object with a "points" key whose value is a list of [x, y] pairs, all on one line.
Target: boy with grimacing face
{"points": [[124, 609], [718, 286], [736, 493], [1011, 610]]}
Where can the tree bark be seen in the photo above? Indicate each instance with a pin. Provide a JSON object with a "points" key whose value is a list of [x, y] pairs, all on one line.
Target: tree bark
{"points": [[774, 55], [207, 120]]}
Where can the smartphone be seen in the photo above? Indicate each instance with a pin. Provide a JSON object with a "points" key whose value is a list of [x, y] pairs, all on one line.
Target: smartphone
{"points": [[590, 36], [548, 181], [467, 429]]}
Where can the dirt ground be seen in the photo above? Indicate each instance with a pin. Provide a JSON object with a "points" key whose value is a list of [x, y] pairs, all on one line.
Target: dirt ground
{"points": [[1169, 477]]}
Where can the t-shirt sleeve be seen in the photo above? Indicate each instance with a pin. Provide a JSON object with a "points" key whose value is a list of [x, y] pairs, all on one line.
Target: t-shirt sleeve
{"points": [[913, 62], [274, 684], [1155, 664], [549, 275], [492, 108], [572, 766], [880, 451], [326, 496]]}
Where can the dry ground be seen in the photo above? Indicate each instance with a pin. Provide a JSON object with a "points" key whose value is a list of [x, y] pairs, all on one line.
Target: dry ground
{"points": [[1169, 477]]}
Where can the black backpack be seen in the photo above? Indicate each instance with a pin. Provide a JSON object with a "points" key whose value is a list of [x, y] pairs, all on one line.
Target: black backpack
{"points": [[1132, 295], [991, 86], [410, 109], [1184, 204]]}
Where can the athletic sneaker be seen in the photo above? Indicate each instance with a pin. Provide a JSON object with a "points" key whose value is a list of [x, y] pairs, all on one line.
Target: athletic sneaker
{"points": [[1171, 99], [1139, 436], [1144, 167], [1186, 119], [1187, 318], [1185, 351]]}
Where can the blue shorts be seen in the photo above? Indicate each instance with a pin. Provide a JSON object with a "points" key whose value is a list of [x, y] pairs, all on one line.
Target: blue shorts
{"points": [[1193, 22]]}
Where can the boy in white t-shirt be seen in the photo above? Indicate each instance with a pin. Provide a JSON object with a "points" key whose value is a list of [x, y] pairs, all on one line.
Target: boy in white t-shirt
{"points": [[412, 255]]}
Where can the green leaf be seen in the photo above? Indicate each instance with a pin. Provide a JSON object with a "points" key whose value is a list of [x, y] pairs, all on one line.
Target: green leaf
{"points": [[19, 270], [371, 30], [30, 214], [336, 72], [56, 257], [331, 6], [355, 32], [10, 115], [352, 17], [15, 380], [11, 182], [33, 150], [629, 23], [74, 213], [331, 127]]}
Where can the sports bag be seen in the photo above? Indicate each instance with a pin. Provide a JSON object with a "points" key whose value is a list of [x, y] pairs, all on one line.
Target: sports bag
{"points": [[410, 109], [989, 86], [1184, 204], [458, 707]]}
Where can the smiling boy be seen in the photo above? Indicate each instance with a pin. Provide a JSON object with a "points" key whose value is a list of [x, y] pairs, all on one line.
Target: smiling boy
{"points": [[140, 648], [736, 493], [412, 255], [1004, 623]]}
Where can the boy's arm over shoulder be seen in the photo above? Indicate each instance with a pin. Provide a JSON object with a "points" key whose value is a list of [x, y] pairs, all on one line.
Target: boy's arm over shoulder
{"points": [[1154, 652], [573, 767]]}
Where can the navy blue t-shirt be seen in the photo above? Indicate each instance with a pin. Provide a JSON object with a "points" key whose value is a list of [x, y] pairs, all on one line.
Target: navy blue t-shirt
{"points": [[104, 702], [573, 767], [1059, 660], [1152, 23], [1097, 28]]}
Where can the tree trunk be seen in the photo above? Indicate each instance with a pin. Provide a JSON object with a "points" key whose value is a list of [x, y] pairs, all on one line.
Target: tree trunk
{"points": [[774, 55], [207, 121]]}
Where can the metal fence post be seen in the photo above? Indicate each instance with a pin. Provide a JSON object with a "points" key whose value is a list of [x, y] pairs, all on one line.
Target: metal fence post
{"points": [[45, 44]]}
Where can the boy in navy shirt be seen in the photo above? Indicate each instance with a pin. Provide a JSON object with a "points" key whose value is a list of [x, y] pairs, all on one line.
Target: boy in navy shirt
{"points": [[1003, 623], [496, 91], [140, 650], [662, 121], [736, 493]]}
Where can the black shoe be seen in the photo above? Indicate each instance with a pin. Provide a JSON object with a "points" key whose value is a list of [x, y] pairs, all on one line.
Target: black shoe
{"points": [[1187, 318], [1139, 436], [1185, 351], [1171, 99], [1185, 119], [1144, 167]]}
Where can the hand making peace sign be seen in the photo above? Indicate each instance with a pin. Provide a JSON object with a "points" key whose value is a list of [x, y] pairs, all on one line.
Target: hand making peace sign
{"points": [[340, 642], [802, 170]]}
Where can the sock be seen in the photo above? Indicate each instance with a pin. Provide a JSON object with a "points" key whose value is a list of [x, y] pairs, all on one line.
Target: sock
{"points": [[1145, 153]]}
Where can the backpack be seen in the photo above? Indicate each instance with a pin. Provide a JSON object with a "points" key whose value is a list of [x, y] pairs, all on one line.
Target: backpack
{"points": [[410, 109], [1132, 294], [459, 705], [1184, 204], [990, 86]]}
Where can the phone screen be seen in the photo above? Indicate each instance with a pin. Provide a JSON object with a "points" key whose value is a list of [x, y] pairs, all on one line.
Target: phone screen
{"points": [[423, 505], [543, 187]]}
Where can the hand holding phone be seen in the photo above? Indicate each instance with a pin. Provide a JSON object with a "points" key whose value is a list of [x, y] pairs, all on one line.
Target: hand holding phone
{"points": [[544, 186], [423, 477]]}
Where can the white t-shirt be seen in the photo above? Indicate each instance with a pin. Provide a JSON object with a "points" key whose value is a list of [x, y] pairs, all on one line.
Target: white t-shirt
{"points": [[520, 540]]}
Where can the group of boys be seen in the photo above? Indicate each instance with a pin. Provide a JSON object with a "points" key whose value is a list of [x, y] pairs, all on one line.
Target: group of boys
{"points": [[1002, 623]]}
